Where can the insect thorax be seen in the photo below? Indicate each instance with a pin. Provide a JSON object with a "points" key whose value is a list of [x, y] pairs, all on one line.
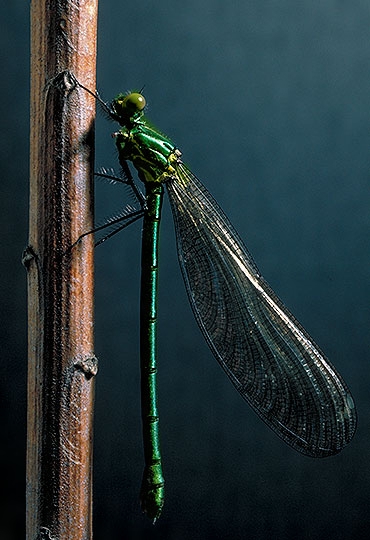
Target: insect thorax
{"points": [[151, 153]]}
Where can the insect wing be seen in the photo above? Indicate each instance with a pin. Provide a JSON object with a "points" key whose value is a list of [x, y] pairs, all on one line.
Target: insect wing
{"points": [[271, 360]]}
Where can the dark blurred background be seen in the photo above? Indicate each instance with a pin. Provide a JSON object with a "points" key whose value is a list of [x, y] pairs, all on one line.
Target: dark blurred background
{"points": [[270, 104]]}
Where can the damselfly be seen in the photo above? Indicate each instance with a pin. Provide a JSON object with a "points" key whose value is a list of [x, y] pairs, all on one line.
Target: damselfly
{"points": [[270, 358]]}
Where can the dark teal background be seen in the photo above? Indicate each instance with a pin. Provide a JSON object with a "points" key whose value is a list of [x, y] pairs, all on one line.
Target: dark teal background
{"points": [[270, 104]]}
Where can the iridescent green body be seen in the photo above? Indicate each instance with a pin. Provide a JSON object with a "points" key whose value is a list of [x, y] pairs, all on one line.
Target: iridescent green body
{"points": [[151, 154], [152, 490]]}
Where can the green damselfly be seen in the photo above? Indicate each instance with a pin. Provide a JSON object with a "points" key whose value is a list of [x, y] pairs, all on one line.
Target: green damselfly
{"points": [[270, 358]]}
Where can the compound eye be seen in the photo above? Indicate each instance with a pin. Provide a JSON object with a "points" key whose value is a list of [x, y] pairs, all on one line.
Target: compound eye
{"points": [[127, 106], [135, 102]]}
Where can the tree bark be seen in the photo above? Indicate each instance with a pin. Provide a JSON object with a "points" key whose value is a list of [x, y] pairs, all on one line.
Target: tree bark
{"points": [[60, 278]]}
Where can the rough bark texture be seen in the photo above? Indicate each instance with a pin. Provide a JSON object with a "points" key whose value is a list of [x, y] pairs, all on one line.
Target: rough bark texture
{"points": [[60, 279]]}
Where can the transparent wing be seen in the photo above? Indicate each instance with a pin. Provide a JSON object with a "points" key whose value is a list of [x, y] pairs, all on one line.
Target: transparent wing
{"points": [[271, 360]]}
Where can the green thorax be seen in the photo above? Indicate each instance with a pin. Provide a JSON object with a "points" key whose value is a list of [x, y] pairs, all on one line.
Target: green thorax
{"points": [[151, 153]]}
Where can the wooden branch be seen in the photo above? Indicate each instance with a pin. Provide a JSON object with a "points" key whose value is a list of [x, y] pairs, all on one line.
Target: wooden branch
{"points": [[60, 279]]}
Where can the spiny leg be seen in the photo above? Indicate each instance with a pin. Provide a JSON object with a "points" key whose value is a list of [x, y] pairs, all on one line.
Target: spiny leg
{"points": [[128, 216]]}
